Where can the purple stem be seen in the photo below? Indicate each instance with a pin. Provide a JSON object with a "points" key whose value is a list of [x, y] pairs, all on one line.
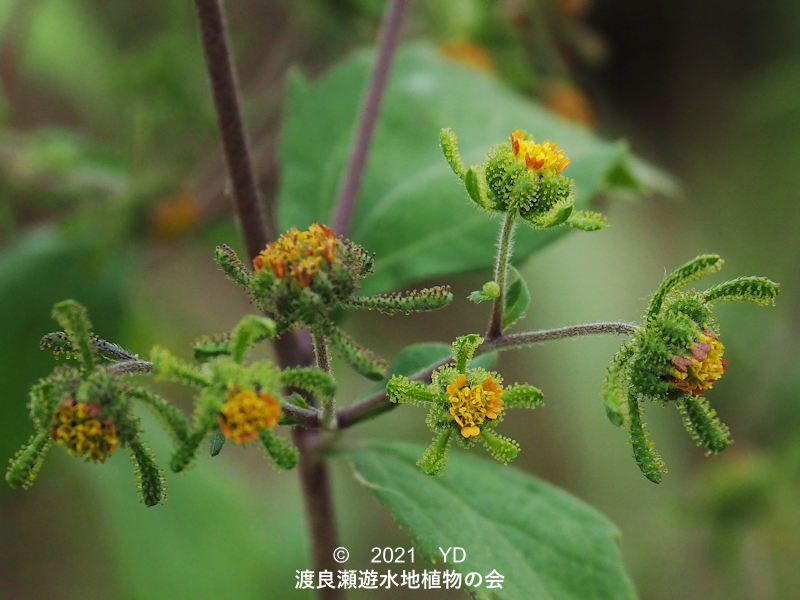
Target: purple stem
{"points": [[224, 87], [389, 37]]}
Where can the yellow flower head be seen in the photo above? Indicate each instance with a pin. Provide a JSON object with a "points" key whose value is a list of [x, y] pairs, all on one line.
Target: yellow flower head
{"points": [[705, 365], [299, 253], [538, 157], [77, 426], [245, 412], [470, 406]]}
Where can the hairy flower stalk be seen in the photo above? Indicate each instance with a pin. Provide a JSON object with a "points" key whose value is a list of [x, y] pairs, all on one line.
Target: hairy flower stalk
{"points": [[500, 271], [304, 279], [328, 416]]}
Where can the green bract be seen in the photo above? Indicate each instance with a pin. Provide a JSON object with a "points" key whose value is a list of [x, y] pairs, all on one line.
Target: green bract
{"points": [[88, 409], [466, 403], [674, 357], [305, 277], [521, 176], [237, 400]]}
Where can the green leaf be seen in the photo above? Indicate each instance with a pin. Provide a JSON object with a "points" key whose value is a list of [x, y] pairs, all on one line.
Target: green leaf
{"points": [[545, 542], [411, 211], [517, 297], [489, 291], [66, 46], [415, 357]]}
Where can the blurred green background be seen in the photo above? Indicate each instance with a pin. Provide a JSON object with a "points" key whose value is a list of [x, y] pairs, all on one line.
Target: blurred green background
{"points": [[112, 191]]}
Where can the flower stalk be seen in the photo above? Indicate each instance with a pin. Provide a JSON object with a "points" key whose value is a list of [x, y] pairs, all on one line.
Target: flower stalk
{"points": [[328, 415], [500, 270], [379, 402]]}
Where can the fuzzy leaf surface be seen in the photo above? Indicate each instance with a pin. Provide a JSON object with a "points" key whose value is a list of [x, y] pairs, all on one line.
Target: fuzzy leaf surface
{"points": [[411, 210], [545, 542], [518, 297]]}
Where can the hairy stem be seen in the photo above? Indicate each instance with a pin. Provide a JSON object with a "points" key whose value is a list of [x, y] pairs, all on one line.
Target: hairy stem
{"points": [[328, 417], [293, 348], [516, 340], [378, 402], [500, 270], [387, 44], [304, 416], [224, 87]]}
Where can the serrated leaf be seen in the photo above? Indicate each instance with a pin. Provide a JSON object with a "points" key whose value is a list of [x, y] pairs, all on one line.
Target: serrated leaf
{"points": [[545, 542], [411, 211], [517, 297]]}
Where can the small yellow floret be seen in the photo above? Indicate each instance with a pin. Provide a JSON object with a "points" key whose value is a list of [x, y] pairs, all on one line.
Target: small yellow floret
{"points": [[538, 157], [76, 426], [703, 367], [245, 412], [299, 253], [470, 406]]}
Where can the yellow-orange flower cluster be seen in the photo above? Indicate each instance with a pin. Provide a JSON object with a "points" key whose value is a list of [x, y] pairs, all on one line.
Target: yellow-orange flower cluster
{"points": [[470, 406], [538, 157], [299, 253], [698, 372], [76, 425], [245, 412]]}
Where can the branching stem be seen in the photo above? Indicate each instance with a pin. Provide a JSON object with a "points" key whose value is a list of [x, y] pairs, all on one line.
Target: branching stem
{"points": [[378, 402], [315, 483], [292, 348]]}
